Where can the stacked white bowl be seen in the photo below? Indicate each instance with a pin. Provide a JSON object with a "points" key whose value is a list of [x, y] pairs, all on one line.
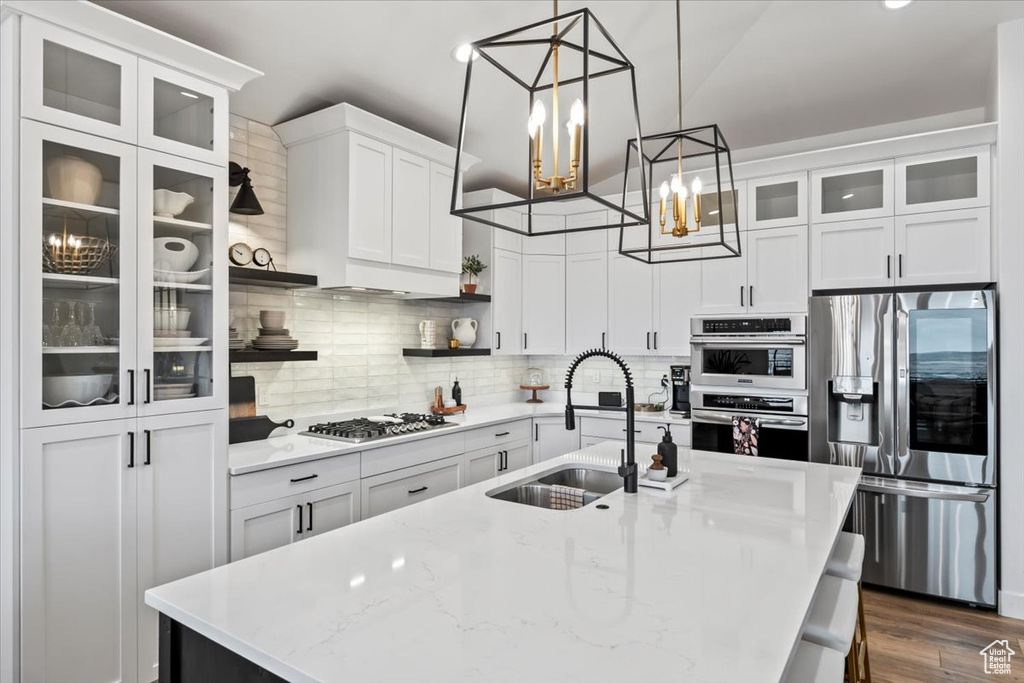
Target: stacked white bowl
{"points": [[273, 336]]}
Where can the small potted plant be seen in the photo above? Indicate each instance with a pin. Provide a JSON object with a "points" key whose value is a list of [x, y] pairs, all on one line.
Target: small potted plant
{"points": [[472, 266]]}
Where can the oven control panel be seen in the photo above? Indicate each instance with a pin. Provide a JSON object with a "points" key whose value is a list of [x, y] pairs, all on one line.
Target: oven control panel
{"points": [[747, 325], [766, 404]]}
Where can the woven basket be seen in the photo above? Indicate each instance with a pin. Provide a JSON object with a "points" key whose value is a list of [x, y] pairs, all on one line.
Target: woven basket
{"points": [[92, 254]]}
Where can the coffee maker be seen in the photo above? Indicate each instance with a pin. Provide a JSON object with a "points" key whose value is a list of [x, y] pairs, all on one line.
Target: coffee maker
{"points": [[680, 390]]}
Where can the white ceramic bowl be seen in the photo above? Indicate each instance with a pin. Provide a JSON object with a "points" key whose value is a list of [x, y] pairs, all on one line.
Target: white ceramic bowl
{"points": [[170, 318], [272, 320], [657, 475], [73, 180], [174, 253], [169, 204], [81, 388]]}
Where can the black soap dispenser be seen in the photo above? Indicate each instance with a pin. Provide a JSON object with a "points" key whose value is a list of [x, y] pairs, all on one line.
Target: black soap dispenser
{"points": [[668, 452], [457, 392]]}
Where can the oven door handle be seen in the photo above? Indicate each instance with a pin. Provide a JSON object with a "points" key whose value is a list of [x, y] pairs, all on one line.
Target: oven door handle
{"points": [[726, 418], [746, 341]]}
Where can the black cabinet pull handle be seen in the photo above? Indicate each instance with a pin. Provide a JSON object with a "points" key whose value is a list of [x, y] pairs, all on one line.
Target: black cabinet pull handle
{"points": [[655, 340], [524, 340], [648, 341], [741, 295], [751, 295], [888, 267], [602, 340], [148, 447], [131, 449], [503, 434], [419, 490], [147, 385], [131, 387], [307, 478], [635, 431], [501, 461], [499, 339], [536, 432], [299, 531], [310, 527], [900, 265]]}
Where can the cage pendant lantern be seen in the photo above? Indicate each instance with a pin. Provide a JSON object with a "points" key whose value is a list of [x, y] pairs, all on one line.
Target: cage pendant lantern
{"points": [[663, 155], [552, 67]]}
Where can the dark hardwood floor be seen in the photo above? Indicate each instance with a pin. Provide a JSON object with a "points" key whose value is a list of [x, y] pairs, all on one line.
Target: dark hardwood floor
{"points": [[916, 639]]}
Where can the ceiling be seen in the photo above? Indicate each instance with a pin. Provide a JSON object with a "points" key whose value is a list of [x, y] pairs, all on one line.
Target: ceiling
{"points": [[766, 71]]}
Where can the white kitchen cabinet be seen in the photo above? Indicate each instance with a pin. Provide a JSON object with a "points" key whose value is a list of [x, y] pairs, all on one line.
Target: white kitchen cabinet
{"points": [[399, 488], [676, 299], [852, 192], [587, 241], [181, 114], [630, 306], [79, 83], [445, 229], [78, 552], [777, 270], [482, 465], [543, 304], [777, 201], [369, 199], [265, 526], [723, 283], [945, 247], [586, 301], [539, 243], [410, 209], [181, 464], [852, 254], [551, 439], [518, 457], [330, 508], [507, 303], [958, 179]]}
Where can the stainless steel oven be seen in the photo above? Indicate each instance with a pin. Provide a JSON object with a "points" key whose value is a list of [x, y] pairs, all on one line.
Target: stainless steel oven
{"points": [[762, 353], [782, 421]]}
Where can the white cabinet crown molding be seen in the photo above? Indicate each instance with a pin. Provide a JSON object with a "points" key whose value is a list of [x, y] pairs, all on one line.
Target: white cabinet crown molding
{"points": [[100, 23]]}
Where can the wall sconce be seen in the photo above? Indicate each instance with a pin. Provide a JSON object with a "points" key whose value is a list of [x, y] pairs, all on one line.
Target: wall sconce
{"points": [[245, 202]]}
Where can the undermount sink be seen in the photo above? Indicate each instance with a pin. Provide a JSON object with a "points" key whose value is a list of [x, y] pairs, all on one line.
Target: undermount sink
{"points": [[536, 490]]}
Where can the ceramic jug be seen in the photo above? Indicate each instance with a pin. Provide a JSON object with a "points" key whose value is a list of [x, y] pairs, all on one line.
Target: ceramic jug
{"points": [[428, 334], [464, 329]]}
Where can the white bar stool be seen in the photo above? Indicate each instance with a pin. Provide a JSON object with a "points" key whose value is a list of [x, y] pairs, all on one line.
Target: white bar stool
{"points": [[847, 562], [833, 617], [815, 664]]}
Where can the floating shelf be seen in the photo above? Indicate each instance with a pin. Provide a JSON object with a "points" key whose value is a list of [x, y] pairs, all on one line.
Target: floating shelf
{"points": [[181, 349], [78, 281], [444, 353], [187, 286], [85, 210], [269, 278], [248, 356], [181, 227], [65, 350], [463, 298]]}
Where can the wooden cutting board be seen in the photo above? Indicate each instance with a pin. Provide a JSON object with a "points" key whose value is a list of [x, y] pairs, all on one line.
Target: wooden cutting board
{"points": [[242, 397]]}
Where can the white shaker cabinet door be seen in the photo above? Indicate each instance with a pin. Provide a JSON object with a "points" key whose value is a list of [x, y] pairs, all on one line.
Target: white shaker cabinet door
{"points": [[676, 298], [369, 199], [517, 458], [777, 270], [265, 526], [445, 229], [551, 439], [181, 462], [852, 254], [543, 304], [507, 302], [482, 465], [586, 314], [944, 248], [330, 508], [630, 306], [410, 209], [723, 283], [78, 552]]}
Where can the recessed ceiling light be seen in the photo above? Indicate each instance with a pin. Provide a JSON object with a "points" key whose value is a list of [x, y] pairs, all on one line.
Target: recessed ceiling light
{"points": [[897, 4], [357, 581], [462, 52], [848, 196]]}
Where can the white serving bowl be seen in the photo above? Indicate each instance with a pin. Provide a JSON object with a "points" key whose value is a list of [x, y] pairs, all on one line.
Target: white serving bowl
{"points": [[169, 204], [73, 180], [170, 318], [174, 253], [80, 388], [272, 320]]}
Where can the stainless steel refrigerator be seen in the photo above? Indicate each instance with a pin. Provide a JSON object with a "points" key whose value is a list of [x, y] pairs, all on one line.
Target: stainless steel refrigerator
{"points": [[904, 384]]}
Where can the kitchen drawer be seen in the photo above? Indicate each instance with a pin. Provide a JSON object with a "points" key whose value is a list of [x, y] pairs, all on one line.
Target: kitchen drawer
{"points": [[394, 490], [411, 453], [615, 430], [497, 435], [265, 485]]}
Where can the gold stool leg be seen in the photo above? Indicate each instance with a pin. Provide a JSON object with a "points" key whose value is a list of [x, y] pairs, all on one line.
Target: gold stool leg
{"points": [[861, 635]]}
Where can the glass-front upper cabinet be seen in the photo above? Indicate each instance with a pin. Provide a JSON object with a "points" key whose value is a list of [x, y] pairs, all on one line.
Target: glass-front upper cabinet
{"points": [[852, 192], [777, 202], [182, 115], [949, 180], [78, 281], [77, 82], [182, 323]]}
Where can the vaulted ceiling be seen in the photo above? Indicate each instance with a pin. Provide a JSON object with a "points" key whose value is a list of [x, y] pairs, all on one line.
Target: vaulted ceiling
{"points": [[765, 71]]}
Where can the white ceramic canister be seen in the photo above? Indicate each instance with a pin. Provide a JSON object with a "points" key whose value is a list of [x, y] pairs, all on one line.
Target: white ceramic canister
{"points": [[464, 329], [428, 334]]}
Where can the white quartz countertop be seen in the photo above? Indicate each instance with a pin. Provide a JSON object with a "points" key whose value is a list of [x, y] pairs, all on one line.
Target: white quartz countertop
{"points": [[278, 451], [709, 582]]}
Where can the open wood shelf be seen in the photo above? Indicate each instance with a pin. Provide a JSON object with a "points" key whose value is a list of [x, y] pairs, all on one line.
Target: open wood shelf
{"points": [[251, 356], [444, 353], [269, 278]]}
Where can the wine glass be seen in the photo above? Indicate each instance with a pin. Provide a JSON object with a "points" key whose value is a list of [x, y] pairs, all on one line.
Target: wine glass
{"points": [[71, 333], [51, 330], [92, 335]]}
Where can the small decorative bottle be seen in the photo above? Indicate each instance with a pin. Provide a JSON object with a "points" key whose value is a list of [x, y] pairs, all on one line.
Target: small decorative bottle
{"points": [[457, 392], [668, 452]]}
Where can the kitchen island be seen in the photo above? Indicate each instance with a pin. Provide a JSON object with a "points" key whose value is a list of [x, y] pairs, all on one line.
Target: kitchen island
{"points": [[709, 582]]}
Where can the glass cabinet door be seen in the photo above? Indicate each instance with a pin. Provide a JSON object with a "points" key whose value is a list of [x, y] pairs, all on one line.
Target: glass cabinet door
{"points": [[182, 115], [78, 243], [777, 202], [72, 81], [939, 182], [182, 305], [852, 192]]}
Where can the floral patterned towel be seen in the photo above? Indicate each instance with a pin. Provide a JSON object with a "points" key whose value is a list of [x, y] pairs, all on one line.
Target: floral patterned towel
{"points": [[745, 431]]}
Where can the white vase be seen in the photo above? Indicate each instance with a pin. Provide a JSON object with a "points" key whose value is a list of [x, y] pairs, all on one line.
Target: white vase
{"points": [[428, 334], [464, 329], [73, 180]]}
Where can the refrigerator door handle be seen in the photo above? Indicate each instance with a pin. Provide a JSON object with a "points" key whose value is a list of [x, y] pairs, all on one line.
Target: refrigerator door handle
{"points": [[901, 427], [980, 497]]}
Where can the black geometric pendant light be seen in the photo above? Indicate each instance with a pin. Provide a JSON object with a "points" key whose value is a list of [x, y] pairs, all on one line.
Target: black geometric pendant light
{"points": [[565, 79]]}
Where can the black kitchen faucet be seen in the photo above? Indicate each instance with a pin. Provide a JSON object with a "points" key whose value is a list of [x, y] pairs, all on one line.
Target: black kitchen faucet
{"points": [[627, 466]]}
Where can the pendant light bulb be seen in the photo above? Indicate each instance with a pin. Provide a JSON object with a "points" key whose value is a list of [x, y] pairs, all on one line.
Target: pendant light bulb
{"points": [[532, 127], [576, 113], [539, 114], [696, 186], [677, 185], [664, 189]]}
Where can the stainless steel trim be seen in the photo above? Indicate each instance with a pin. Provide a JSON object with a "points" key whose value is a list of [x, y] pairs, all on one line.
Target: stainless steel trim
{"points": [[797, 324], [979, 497], [726, 418], [765, 341]]}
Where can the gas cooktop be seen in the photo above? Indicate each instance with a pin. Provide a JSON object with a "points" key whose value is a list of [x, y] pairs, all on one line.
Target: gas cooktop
{"points": [[360, 429]]}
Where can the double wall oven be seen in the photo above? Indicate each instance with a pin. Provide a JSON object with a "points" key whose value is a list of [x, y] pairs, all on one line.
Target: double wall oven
{"points": [[752, 368]]}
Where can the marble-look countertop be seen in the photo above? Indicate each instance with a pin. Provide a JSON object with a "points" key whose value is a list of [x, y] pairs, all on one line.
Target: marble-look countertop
{"points": [[278, 451], [709, 582]]}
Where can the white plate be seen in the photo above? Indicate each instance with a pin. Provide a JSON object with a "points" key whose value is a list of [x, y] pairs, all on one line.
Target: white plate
{"points": [[178, 277], [179, 341], [102, 400]]}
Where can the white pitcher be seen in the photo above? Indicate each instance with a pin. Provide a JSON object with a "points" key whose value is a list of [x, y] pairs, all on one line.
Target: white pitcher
{"points": [[464, 329], [428, 334]]}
